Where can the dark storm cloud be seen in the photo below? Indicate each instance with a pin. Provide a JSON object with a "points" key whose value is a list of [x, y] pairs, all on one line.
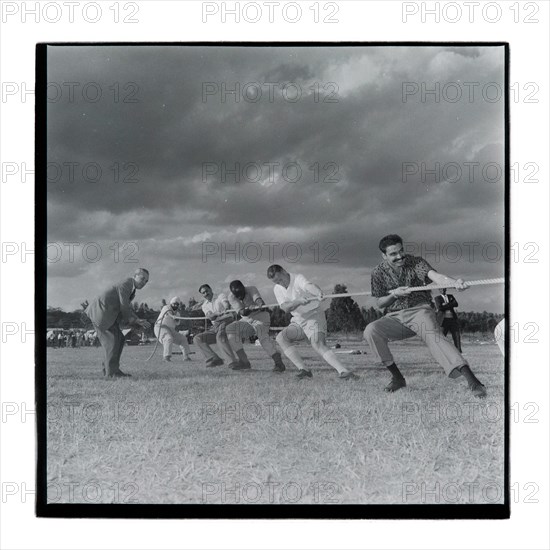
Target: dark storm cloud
{"points": [[152, 154]]}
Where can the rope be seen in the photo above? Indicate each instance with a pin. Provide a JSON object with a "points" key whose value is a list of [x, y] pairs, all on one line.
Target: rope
{"points": [[433, 286]]}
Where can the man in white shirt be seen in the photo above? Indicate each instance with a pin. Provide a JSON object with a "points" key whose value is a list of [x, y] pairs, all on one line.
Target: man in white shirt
{"points": [[214, 307], [165, 331], [297, 295], [246, 300]]}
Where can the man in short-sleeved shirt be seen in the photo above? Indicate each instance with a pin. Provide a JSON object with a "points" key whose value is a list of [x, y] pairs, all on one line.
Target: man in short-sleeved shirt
{"points": [[215, 307], [413, 272], [408, 313], [300, 297], [246, 301]]}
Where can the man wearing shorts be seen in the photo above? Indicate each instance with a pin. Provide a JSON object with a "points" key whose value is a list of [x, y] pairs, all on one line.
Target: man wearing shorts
{"points": [[295, 294]]}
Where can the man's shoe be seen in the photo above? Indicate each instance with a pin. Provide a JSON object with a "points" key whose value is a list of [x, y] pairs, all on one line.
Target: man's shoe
{"points": [[119, 374], [478, 390], [395, 384], [279, 367], [348, 375], [187, 358], [240, 366], [167, 358], [215, 363], [304, 373]]}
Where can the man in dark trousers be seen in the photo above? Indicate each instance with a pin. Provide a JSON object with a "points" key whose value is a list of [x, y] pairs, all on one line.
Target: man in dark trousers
{"points": [[445, 306], [110, 308]]}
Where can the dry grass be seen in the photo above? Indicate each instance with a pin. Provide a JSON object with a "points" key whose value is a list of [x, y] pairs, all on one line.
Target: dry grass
{"points": [[182, 433]]}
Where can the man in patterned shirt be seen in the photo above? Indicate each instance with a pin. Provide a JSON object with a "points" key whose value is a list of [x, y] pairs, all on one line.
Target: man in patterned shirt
{"points": [[409, 313]]}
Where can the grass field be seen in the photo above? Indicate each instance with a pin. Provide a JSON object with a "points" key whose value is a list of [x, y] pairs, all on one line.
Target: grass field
{"points": [[182, 433]]}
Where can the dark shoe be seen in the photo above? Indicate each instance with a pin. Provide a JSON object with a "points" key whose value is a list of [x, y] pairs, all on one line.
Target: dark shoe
{"points": [[279, 367], [242, 358], [169, 358], [478, 390], [119, 374], [395, 384], [240, 366], [215, 363], [304, 373], [348, 375]]}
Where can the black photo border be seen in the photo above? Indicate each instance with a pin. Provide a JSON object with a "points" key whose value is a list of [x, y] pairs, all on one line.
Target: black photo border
{"points": [[236, 511]]}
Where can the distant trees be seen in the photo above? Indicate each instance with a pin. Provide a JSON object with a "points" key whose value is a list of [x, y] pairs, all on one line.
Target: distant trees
{"points": [[344, 315], [279, 318]]}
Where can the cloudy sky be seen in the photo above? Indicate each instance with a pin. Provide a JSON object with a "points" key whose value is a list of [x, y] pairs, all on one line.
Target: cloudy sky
{"points": [[335, 148]]}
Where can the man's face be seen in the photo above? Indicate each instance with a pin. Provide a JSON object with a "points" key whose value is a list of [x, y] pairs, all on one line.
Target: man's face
{"points": [[207, 293], [175, 306], [238, 290], [394, 255], [141, 280], [282, 278]]}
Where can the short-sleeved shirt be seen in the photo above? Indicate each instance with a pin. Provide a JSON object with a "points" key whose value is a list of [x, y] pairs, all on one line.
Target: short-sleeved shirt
{"points": [[299, 287], [251, 294], [218, 305], [413, 272]]}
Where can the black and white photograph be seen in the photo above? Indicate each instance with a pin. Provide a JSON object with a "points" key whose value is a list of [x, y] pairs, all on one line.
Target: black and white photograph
{"points": [[272, 279]]}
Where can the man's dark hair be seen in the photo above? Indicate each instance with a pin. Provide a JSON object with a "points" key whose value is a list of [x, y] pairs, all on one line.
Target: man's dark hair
{"points": [[204, 286], [273, 269], [237, 289], [389, 240]]}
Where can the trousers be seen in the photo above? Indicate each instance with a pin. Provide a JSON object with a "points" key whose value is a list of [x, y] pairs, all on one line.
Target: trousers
{"points": [[406, 323], [112, 342]]}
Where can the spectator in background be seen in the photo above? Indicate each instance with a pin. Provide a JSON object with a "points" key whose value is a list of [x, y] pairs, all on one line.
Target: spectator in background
{"points": [[447, 317]]}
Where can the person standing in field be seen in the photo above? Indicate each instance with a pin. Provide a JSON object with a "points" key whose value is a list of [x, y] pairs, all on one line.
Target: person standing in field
{"points": [[108, 310], [445, 306]]}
